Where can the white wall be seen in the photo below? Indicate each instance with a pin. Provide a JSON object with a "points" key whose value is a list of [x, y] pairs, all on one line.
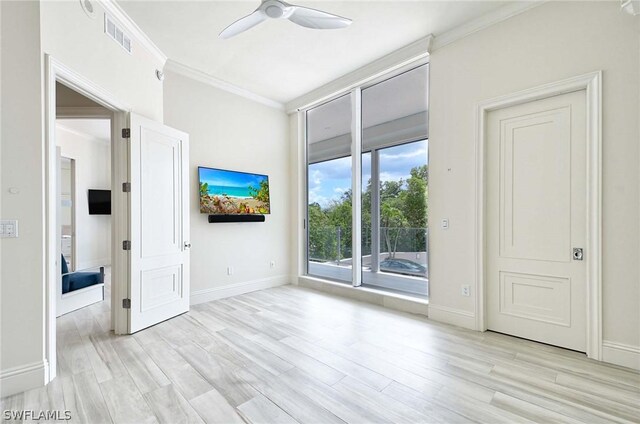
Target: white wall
{"points": [[230, 132], [93, 171], [31, 29], [22, 261], [551, 42], [80, 43]]}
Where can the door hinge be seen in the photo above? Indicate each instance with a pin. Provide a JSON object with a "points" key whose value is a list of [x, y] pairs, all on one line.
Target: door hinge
{"points": [[126, 303], [126, 245], [126, 133], [126, 187]]}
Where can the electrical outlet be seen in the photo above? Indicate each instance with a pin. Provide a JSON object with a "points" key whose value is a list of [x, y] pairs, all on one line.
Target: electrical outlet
{"points": [[445, 224], [272, 264], [466, 290], [229, 270]]}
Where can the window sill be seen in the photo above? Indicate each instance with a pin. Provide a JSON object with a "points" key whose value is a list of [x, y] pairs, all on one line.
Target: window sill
{"points": [[388, 299], [386, 282]]}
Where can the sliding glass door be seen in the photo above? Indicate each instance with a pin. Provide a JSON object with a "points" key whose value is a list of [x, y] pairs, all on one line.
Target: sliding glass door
{"points": [[393, 185]]}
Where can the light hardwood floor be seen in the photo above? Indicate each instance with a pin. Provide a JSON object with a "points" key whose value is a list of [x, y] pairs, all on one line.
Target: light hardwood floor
{"points": [[289, 354]]}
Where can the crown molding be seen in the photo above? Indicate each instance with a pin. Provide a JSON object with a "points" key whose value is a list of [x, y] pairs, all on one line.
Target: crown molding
{"points": [[132, 29], [189, 72], [411, 53], [501, 14]]}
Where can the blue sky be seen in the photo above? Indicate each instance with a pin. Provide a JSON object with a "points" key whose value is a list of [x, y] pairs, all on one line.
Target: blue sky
{"points": [[219, 177], [329, 180]]}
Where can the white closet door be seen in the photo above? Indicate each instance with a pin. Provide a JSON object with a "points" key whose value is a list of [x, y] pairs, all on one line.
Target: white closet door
{"points": [[536, 216]]}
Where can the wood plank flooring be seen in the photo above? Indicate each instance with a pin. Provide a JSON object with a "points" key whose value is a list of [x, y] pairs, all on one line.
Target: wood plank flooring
{"points": [[289, 354]]}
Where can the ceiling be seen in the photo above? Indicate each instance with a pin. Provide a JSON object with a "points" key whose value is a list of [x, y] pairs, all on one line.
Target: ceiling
{"points": [[282, 61], [91, 129], [66, 97]]}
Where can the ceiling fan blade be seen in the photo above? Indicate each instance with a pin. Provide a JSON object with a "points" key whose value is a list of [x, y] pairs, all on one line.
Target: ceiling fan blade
{"points": [[317, 19], [243, 24]]}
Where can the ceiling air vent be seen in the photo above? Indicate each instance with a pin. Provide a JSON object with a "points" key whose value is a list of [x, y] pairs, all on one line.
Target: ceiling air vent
{"points": [[115, 32]]}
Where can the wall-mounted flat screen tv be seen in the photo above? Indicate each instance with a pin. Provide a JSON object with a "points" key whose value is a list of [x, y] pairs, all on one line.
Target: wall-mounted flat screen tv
{"points": [[99, 202], [225, 192]]}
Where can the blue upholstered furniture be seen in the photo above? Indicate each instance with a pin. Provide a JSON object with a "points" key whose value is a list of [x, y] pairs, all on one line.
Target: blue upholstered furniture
{"points": [[72, 281]]}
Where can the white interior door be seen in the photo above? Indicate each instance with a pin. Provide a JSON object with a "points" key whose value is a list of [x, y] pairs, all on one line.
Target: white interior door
{"points": [[536, 215], [159, 207]]}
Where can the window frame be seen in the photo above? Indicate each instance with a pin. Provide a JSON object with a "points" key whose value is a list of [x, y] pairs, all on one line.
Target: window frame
{"points": [[384, 279], [356, 170]]}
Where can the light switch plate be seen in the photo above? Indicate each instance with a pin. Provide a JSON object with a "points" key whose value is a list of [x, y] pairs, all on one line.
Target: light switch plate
{"points": [[445, 224], [9, 228]]}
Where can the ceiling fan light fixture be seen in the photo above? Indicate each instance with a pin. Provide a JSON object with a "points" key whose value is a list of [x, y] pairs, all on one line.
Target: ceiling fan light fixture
{"points": [[276, 9], [273, 12]]}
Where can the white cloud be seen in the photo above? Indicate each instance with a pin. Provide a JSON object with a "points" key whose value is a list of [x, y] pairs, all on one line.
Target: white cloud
{"points": [[315, 178], [314, 197], [393, 176]]}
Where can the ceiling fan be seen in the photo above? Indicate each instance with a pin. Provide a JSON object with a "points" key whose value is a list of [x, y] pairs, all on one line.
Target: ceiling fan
{"points": [[276, 9]]}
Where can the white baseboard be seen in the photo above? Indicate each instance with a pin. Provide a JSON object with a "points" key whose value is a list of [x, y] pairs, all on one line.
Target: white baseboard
{"points": [[207, 295], [21, 378], [621, 354], [453, 316], [404, 305]]}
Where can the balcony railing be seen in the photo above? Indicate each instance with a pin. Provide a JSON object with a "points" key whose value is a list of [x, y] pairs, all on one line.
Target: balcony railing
{"points": [[332, 245]]}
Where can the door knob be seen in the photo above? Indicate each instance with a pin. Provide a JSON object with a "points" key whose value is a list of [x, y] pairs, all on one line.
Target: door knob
{"points": [[578, 254], [187, 245]]}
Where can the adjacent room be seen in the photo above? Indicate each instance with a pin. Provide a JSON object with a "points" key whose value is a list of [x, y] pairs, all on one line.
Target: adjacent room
{"points": [[83, 149], [320, 212]]}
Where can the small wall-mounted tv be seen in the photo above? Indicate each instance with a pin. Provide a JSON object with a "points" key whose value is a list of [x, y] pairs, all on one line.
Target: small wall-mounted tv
{"points": [[99, 202], [225, 192]]}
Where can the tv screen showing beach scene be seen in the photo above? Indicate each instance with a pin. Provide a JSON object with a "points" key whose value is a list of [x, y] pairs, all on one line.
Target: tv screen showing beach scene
{"points": [[231, 193]]}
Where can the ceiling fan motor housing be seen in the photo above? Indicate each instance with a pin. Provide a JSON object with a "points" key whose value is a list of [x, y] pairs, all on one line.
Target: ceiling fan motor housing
{"points": [[275, 9], [278, 9]]}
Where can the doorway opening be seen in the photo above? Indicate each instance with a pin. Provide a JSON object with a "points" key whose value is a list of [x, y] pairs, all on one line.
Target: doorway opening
{"points": [[83, 151], [81, 107]]}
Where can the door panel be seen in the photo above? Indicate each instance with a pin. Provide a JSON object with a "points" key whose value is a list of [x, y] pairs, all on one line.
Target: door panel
{"points": [[528, 143], [536, 201], [160, 185], [160, 287], [536, 297], [159, 158]]}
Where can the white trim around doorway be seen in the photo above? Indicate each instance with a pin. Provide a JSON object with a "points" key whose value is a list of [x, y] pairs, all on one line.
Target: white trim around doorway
{"points": [[55, 71], [592, 84]]}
